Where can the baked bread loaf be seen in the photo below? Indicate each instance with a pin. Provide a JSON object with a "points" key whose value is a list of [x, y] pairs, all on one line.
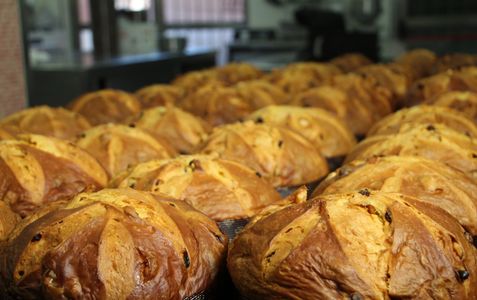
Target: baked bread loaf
{"points": [[463, 101], [217, 104], [56, 122], [367, 245], [427, 180], [278, 154], [390, 76], [436, 142], [350, 62], [36, 169], [180, 129], [419, 62], [5, 135], [233, 73], [322, 128], [113, 244], [424, 114], [8, 220], [118, 147], [106, 106], [159, 95], [464, 79], [350, 110], [299, 77], [261, 93], [221, 189], [454, 61]]}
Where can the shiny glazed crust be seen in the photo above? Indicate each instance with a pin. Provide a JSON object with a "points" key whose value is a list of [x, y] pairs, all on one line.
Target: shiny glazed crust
{"points": [[419, 62], [435, 142], [278, 154], [453, 61], [106, 106], [233, 73], [367, 245], [38, 169], [261, 93], [45, 120], [113, 244], [427, 180], [181, 130], [118, 147], [322, 128], [159, 95], [221, 189], [424, 114]]}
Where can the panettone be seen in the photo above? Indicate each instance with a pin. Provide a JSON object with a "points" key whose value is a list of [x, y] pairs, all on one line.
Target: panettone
{"points": [[424, 114], [464, 79], [113, 244], [454, 61], [221, 189], [350, 62], [325, 130], [5, 135], [300, 77], [428, 180], [180, 129], [8, 220], [390, 76], [192, 81], [37, 169], [217, 104], [118, 147], [463, 101], [278, 154], [159, 95], [106, 106], [433, 141], [233, 73], [363, 245], [261, 93], [45, 120], [419, 62], [350, 110]]}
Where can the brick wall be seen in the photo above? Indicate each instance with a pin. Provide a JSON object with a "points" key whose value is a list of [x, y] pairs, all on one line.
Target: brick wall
{"points": [[12, 80]]}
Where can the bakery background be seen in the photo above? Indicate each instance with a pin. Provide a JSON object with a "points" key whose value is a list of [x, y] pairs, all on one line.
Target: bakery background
{"points": [[238, 149]]}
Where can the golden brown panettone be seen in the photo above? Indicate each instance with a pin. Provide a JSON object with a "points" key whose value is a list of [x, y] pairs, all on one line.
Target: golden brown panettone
{"points": [[106, 106], [56, 122], [326, 131], [434, 141], [118, 147], [366, 245], [36, 169], [181, 130], [221, 189], [5, 135], [389, 76], [425, 114], [299, 77], [260, 93], [453, 61], [159, 95], [217, 104], [427, 180], [350, 62], [113, 244], [233, 73], [8, 220], [419, 62], [192, 81], [351, 111], [278, 154], [463, 101], [464, 79]]}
